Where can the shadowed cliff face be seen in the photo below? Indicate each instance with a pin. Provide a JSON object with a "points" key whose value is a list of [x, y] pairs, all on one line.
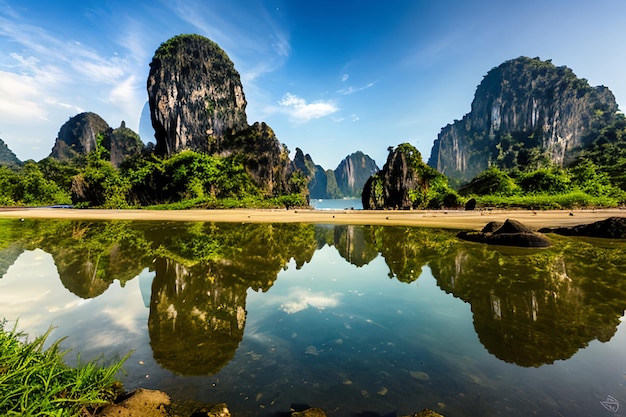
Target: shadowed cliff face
{"points": [[195, 96], [78, 136], [524, 111]]}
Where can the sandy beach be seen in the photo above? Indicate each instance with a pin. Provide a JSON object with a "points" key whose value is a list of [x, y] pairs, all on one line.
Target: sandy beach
{"points": [[452, 219]]}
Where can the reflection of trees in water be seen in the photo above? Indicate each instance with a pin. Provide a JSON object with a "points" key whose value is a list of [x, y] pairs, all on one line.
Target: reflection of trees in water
{"points": [[532, 307]]}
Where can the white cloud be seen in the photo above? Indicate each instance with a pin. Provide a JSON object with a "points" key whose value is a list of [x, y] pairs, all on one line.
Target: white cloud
{"points": [[302, 299], [345, 78], [301, 111], [20, 98]]}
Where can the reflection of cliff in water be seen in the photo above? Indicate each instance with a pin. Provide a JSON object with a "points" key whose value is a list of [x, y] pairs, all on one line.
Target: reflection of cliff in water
{"points": [[535, 307], [198, 311], [530, 307], [196, 320]]}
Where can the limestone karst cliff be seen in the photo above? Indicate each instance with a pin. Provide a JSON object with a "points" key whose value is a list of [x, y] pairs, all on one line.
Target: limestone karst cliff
{"points": [[347, 180], [525, 113], [405, 182], [197, 103], [353, 172], [121, 143], [79, 135], [7, 157], [195, 95]]}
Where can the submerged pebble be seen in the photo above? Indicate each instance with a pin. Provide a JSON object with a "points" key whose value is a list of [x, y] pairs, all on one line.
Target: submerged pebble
{"points": [[311, 350], [422, 376]]}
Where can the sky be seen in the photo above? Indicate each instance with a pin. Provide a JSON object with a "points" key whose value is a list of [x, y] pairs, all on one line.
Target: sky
{"points": [[330, 77]]}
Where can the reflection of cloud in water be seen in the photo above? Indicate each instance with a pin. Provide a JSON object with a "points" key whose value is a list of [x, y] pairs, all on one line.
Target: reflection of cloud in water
{"points": [[303, 299], [34, 291]]}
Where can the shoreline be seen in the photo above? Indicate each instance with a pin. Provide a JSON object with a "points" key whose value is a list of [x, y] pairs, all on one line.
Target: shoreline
{"points": [[448, 219]]}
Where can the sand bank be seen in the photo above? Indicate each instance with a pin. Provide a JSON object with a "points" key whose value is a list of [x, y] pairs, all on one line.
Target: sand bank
{"points": [[452, 219]]}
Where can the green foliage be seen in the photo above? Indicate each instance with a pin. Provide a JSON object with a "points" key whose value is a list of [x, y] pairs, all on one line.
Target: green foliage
{"points": [[100, 184], [34, 381], [167, 50], [545, 180], [492, 181], [29, 187]]}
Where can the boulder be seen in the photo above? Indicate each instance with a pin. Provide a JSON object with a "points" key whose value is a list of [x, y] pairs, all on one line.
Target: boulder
{"points": [[509, 233], [611, 228]]}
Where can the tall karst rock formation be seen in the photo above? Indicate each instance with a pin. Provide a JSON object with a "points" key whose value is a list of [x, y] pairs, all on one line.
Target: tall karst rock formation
{"points": [[195, 95], [197, 103], [525, 112]]}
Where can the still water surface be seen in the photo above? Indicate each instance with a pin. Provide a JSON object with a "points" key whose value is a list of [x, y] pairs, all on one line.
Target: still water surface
{"points": [[358, 320]]}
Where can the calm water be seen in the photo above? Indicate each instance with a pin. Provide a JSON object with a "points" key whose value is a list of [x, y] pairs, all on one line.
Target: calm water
{"points": [[357, 320], [337, 204]]}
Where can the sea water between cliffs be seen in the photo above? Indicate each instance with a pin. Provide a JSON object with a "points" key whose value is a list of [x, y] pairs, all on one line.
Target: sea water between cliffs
{"points": [[356, 320]]}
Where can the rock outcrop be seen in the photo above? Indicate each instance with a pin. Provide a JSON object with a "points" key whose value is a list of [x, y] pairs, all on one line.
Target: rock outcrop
{"points": [[317, 178], [195, 95], [509, 233], [78, 136], [525, 111], [611, 228], [402, 184], [265, 158], [7, 157], [122, 143]]}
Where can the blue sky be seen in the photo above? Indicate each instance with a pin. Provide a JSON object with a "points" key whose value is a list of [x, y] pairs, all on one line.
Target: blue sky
{"points": [[330, 77]]}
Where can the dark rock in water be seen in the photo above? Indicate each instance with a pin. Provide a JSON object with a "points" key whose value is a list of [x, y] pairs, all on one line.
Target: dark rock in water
{"points": [[509, 233], [611, 228], [471, 204]]}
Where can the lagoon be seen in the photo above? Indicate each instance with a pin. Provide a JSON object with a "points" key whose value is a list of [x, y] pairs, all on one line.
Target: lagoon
{"points": [[357, 320]]}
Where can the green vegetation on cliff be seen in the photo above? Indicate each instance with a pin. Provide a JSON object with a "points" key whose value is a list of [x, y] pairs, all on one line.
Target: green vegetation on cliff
{"points": [[406, 182]]}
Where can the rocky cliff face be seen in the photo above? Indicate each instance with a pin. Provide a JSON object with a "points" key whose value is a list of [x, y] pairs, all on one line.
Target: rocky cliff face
{"points": [[316, 176], [265, 158], [525, 112], [347, 180], [122, 143], [195, 96], [78, 136], [403, 177], [7, 157], [353, 172]]}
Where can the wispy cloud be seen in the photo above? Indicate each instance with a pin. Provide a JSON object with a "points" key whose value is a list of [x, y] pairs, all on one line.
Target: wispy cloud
{"points": [[45, 79], [299, 110], [352, 90], [250, 35]]}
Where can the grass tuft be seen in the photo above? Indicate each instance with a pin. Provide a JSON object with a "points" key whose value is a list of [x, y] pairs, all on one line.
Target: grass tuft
{"points": [[36, 382]]}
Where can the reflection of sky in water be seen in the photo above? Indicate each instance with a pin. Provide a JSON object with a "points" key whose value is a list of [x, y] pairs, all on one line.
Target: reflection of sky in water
{"points": [[345, 338], [113, 323]]}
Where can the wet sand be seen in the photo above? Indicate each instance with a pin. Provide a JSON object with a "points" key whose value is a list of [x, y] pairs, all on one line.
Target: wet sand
{"points": [[451, 219]]}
